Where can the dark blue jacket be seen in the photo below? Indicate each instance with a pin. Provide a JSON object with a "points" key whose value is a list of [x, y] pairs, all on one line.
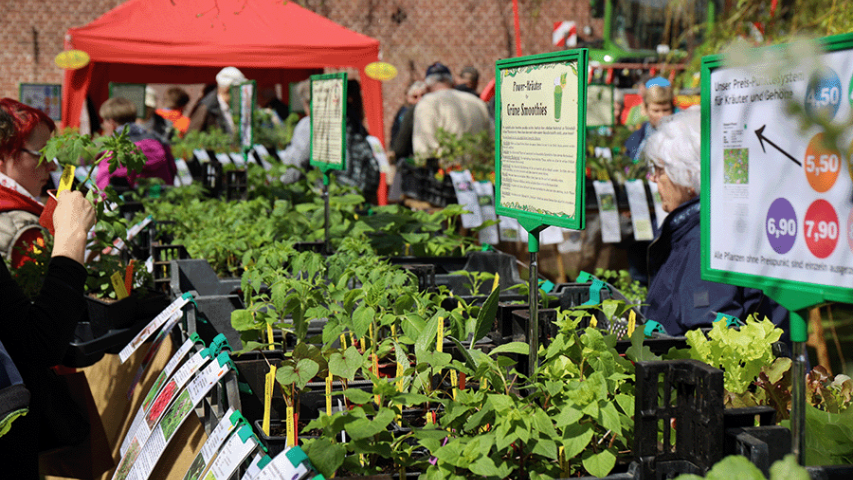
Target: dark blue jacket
{"points": [[678, 298]]}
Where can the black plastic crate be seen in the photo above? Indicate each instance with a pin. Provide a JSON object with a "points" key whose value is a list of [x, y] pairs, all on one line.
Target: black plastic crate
{"points": [[687, 394], [425, 275], [162, 256], [236, 185], [197, 275], [212, 178]]}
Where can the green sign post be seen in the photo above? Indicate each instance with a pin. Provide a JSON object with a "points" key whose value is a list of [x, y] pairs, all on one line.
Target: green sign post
{"points": [[777, 212], [540, 115], [328, 130]]}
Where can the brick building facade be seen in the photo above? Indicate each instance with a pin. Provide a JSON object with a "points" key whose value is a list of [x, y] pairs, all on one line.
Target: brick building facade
{"points": [[412, 34]]}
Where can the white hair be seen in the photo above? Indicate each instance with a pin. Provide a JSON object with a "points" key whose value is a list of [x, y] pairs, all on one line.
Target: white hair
{"points": [[677, 146]]}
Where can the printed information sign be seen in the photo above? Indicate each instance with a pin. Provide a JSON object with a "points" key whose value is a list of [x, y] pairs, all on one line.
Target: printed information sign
{"points": [[778, 200], [328, 121], [540, 124]]}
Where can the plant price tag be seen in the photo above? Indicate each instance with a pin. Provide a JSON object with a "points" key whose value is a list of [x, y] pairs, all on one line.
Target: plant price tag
{"points": [[117, 279], [66, 179], [236, 449], [152, 327], [211, 445], [269, 384]]}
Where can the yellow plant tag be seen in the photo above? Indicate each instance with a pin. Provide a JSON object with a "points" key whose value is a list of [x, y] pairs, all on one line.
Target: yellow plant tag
{"points": [[497, 281], [343, 342], [484, 383], [270, 336], [329, 394], [454, 382], [66, 179], [439, 337], [377, 398], [632, 323], [117, 279], [269, 384], [291, 428], [400, 372], [394, 332], [593, 322], [363, 344]]}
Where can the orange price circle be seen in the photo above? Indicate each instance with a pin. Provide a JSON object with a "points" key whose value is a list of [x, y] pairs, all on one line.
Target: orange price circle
{"points": [[821, 164]]}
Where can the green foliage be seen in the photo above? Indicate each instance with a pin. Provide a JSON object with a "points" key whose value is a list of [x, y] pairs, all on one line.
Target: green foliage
{"points": [[738, 466], [621, 280], [469, 151]]}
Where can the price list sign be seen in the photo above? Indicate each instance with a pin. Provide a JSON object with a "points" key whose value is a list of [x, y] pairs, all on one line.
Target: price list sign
{"points": [[777, 200], [540, 114], [328, 121]]}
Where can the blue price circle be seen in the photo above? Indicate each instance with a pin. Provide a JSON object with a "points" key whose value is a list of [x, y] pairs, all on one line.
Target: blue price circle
{"points": [[823, 95]]}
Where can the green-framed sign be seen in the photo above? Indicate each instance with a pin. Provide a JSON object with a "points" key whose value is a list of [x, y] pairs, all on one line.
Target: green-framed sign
{"points": [[540, 125], [328, 121], [248, 98], [599, 105], [46, 97], [777, 201], [135, 92]]}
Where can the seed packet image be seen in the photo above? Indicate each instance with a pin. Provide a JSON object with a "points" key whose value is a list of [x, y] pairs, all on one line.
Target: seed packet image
{"points": [[608, 203], [173, 418], [127, 461], [736, 166], [146, 404], [196, 469], [163, 400]]}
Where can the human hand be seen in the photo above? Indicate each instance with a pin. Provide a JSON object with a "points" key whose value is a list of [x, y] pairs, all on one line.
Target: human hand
{"points": [[73, 218]]}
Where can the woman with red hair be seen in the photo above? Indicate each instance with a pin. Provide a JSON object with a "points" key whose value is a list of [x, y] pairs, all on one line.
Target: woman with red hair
{"points": [[22, 177]]}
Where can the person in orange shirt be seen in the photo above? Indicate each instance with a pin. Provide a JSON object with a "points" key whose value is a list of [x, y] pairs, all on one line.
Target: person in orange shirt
{"points": [[176, 99]]}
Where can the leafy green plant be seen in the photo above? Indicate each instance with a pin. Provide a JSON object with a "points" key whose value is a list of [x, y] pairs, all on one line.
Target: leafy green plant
{"points": [[621, 280], [738, 466]]}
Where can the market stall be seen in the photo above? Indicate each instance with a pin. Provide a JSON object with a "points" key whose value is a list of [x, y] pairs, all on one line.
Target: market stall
{"points": [[162, 41]]}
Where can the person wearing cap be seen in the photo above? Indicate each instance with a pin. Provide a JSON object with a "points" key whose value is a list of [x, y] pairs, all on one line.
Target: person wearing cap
{"points": [[153, 121], [445, 108], [657, 104], [214, 109]]}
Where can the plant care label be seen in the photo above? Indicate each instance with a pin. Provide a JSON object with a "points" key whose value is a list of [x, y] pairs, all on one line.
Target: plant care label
{"points": [[223, 158], [638, 203], [269, 385], [486, 200], [777, 186], [259, 461], [238, 159], [153, 326], [551, 236], [201, 155], [247, 106], [117, 280], [163, 399], [184, 177], [510, 230], [291, 464], [466, 196], [159, 383], [607, 211], [178, 412], [152, 351], [214, 441], [237, 448], [66, 179]]}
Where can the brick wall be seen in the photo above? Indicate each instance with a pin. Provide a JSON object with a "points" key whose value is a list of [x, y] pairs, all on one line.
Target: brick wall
{"points": [[412, 34]]}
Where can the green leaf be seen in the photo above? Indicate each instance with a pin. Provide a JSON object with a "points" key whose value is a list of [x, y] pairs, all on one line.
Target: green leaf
{"points": [[518, 348], [304, 372], [788, 469], [346, 365], [325, 455], [361, 319], [242, 320], [576, 437], [358, 396], [469, 360], [486, 317], [426, 339], [735, 466], [637, 352], [363, 428], [600, 464]]}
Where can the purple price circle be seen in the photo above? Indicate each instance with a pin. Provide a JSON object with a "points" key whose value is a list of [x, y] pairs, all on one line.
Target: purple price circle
{"points": [[781, 225]]}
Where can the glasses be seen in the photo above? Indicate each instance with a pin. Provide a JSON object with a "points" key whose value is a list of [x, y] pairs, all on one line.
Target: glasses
{"points": [[654, 170], [32, 152]]}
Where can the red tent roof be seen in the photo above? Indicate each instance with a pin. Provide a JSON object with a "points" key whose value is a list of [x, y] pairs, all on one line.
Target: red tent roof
{"points": [[243, 33], [188, 41]]}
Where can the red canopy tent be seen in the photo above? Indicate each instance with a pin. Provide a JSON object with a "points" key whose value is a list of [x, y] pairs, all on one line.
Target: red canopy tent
{"points": [[189, 41]]}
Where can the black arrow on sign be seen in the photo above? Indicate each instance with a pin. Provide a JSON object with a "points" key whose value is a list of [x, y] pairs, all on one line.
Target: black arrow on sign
{"points": [[762, 139]]}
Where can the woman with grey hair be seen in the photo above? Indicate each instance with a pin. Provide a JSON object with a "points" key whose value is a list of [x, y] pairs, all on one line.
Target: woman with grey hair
{"points": [[678, 298]]}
